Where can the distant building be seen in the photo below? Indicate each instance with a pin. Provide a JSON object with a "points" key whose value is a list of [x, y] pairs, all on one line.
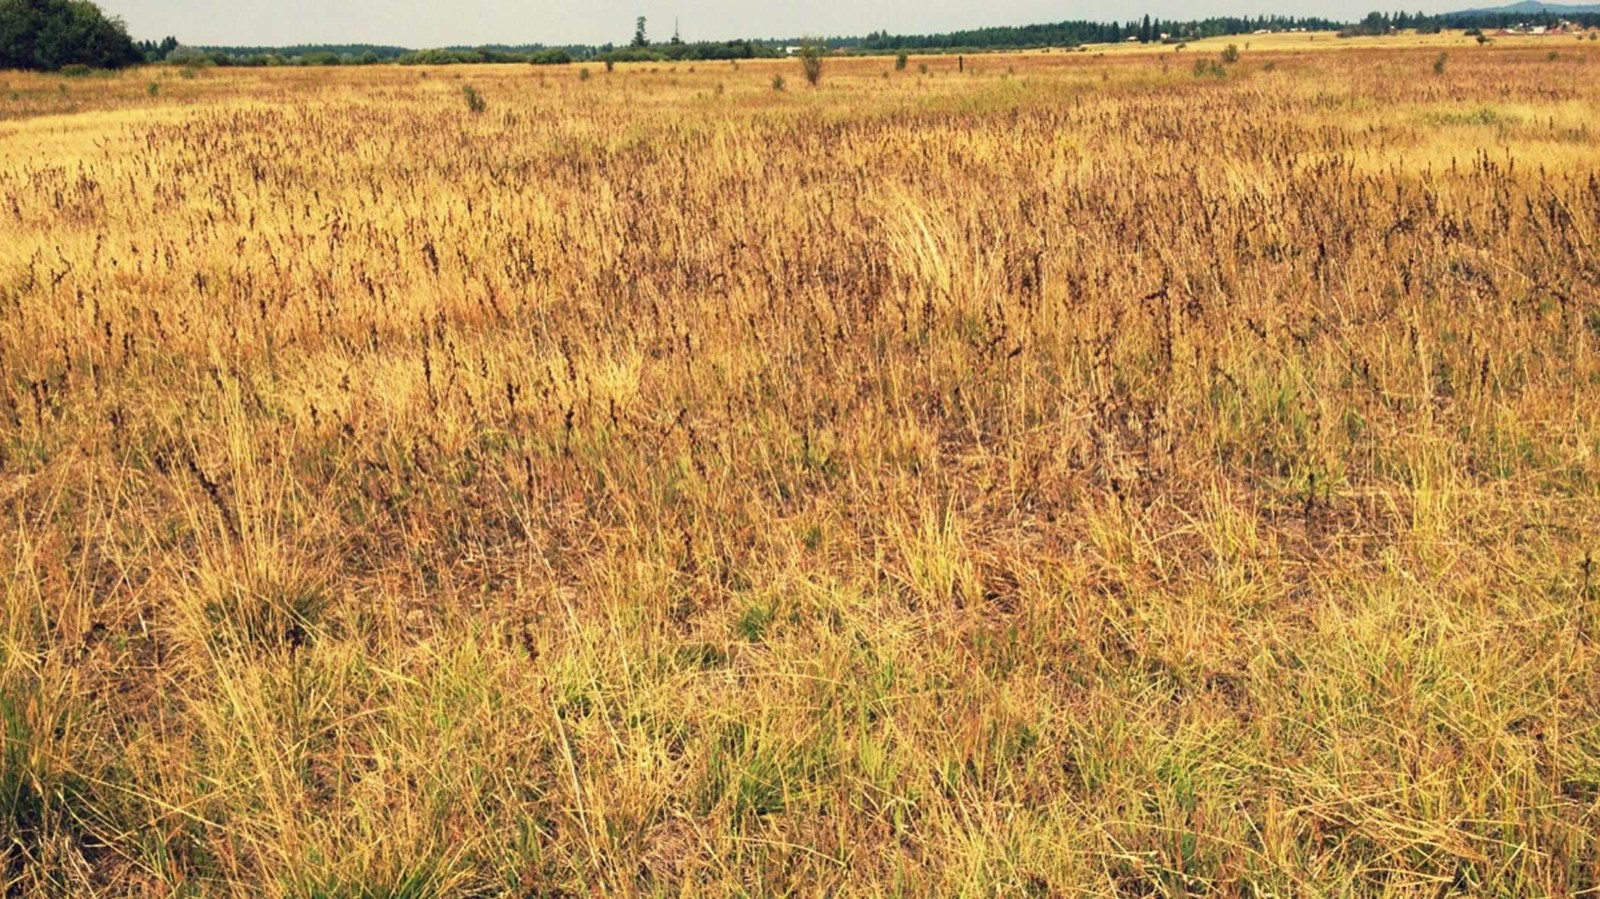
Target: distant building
{"points": [[1524, 28]]}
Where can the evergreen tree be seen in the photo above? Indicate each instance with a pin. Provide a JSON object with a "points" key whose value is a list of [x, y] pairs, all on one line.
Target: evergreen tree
{"points": [[639, 38], [1144, 30]]}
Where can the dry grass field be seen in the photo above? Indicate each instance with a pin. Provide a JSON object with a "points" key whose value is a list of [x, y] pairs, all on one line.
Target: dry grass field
{"points": [[1077, 475]]}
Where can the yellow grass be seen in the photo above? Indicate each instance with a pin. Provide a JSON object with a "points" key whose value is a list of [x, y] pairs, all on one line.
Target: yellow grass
{"points": [[1074, 476]]}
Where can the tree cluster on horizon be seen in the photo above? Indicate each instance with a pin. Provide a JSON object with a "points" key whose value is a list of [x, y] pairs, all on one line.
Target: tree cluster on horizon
{"points": [[49, 35], [1082, 31]]}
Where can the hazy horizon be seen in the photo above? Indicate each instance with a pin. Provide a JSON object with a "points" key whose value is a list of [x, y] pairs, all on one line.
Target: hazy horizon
{"points": [[430, 23]]}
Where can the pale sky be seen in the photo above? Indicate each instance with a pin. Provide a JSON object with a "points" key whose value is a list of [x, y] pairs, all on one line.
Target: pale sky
{"points": [[438, 23]]}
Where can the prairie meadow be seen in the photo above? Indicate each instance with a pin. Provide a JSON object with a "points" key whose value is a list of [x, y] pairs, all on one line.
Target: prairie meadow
{"points": [[1047, 474]]}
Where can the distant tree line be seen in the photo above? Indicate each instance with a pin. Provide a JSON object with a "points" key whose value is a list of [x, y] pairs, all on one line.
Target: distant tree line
{"points": [[1510, 20], [302, 54], [539, 56], [1074, 33], [1377, 23], [533, 55], [53, 34], [367, 54], [640, 49], [156, 51], [675, 51]]}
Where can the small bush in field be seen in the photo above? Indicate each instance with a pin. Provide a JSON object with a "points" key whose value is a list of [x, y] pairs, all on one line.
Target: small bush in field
{"points": [[811, 62]]}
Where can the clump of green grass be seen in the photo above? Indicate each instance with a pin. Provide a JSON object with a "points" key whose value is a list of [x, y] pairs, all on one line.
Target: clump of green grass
{"points": [[752, 624], [1483, 115]]}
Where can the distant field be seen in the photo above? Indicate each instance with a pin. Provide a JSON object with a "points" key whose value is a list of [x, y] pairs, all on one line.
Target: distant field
{"points": [[1081, 474]]}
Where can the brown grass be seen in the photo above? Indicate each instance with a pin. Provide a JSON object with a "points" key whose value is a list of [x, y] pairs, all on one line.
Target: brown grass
{"points": [[1071, 477]]}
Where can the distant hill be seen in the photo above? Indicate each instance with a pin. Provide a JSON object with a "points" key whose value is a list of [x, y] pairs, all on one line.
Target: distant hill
{"points": [[1529, 8]]}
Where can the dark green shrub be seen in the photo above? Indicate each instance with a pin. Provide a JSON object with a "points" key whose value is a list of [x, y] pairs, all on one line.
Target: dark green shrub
{"points": [[49, 35]]}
